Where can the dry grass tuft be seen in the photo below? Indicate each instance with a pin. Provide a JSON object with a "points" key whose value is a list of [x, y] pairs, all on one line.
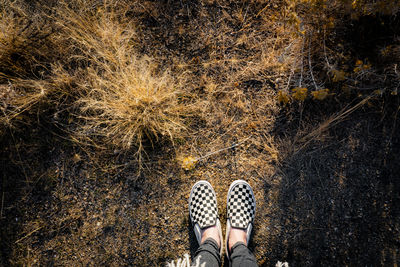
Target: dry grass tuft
{"points": [[130, 103], [124, 98]]}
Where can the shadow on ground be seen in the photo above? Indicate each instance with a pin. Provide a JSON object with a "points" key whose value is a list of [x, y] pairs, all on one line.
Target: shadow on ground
{"points": [[339, 201], [26, 177]]}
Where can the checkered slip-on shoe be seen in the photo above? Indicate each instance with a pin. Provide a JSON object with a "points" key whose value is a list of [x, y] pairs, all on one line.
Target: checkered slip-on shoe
{"points": [[241, 209], [203, 209]]}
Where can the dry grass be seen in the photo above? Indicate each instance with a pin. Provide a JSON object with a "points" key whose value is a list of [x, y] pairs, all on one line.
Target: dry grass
{"points": [[117, 97], [130, 103], [124, 98], [18, 97], [327, 62], [26, 51], [23, 41]]}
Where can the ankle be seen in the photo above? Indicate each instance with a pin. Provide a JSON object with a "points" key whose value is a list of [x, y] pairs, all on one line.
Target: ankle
{"points": [[211, 232], [236, 235]]}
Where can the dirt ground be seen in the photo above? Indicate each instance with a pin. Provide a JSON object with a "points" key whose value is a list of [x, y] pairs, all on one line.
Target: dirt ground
{"points": [[327, 194], [333, 202]]}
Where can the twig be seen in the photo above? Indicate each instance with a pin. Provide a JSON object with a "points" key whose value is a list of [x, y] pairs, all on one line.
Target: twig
{"points": [[223, 149], [302, 62], [244, 17], [262, 10], [28, 235], [291, 74], [329, 123], [326, 57], [309, 63], [288, 83]]}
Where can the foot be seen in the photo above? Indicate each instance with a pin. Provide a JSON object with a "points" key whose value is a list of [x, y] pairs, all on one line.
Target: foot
{"points": [[203, 213], [241, 209], [236, 235]]}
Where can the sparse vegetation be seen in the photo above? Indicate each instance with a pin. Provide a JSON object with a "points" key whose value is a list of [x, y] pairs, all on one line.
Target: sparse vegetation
{"points": [[334, 55], [123, 98], [25, 51], [111, 110]]}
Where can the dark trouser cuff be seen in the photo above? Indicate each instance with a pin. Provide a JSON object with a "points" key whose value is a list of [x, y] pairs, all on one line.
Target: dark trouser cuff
{"points": [[208, 252], [237, 244], [241, 256]]}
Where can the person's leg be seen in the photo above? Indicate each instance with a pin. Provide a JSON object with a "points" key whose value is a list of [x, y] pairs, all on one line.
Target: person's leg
{"points": [[207, 228], [241, 256], [241, 207], [207, 254]]}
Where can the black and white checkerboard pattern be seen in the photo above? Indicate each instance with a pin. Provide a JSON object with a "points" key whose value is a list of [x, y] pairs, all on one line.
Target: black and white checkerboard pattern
{"points": [[203, 206], [241, 206]]}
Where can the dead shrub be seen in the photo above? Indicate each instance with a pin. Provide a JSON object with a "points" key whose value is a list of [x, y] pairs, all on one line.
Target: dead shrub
{"points": [[124, 98]]}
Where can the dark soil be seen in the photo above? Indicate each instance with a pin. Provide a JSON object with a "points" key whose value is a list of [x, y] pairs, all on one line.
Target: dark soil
{"points": [[339, 198], [335, 202]]}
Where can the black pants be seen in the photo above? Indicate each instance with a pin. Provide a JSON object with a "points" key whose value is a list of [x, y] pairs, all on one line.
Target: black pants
{"points": [[208, 255]]}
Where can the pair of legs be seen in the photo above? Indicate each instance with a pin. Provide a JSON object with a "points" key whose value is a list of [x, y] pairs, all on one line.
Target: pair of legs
{"points": [[240, 218]]}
